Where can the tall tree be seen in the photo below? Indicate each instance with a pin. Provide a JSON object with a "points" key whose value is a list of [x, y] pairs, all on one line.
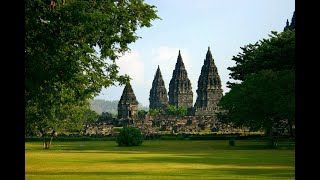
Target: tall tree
{"points": [[276, 53], [264, 101], [62, 67], [264, 97]]}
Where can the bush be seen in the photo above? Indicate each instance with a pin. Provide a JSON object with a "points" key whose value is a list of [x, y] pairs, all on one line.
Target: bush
{"points": [[179, 111], [232, 142], [129, 136]]}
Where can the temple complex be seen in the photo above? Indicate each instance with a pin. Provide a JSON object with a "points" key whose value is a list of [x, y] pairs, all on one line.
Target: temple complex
{"points": [[209, 90], [180, 91], [128, 104], [158, 93]]}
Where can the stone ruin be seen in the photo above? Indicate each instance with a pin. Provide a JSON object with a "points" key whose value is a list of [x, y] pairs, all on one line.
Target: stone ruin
{"points": [[190, 124], [128, 104], [201, 116], [209, 90], [100, 129]]}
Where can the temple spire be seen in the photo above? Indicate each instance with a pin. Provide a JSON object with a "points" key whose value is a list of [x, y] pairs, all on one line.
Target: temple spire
{"points": [[293, 21], [290, 26], [128, 104], [209, 90], [179, 60], [158, 92], [180, 91], [209, 58]]}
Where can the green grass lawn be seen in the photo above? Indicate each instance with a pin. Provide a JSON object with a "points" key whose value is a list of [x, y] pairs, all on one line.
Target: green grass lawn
{"points": [[159, 159]]}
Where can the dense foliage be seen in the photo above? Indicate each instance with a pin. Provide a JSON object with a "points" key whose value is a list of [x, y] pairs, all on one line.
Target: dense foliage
{"points": [[276, 53], [179, 111], [264, 96], [265, 100], [62, 68], [169, 110], [142, 114], [106, 116], [155, 111], [129, 136]]}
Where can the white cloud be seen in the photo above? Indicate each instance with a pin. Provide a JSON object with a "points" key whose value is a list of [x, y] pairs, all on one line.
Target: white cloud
{"points": [[166, 58], [131, 64]]}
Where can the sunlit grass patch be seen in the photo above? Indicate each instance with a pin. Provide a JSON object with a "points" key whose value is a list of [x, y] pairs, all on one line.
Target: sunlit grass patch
{"points": [[158, 160]]}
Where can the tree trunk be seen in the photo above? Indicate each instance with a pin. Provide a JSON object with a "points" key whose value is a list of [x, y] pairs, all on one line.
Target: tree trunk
{"points": [[46, 144], [273, 142], [52, 134]]}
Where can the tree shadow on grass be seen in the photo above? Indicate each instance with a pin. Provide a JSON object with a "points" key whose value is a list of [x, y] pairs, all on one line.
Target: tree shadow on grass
{"points": [[163, 150], [99, 173]]}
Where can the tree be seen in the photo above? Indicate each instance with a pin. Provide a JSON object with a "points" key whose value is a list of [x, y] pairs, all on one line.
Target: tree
{"points": [[179, 111], [263, 101], [265, 96], [67, 117], [155, 111], [62, 67], [142, 114], [276, 53], [91, 115], [105, 116]]}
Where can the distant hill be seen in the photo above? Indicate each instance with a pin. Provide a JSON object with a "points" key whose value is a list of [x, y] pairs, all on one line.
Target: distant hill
{"points": [[100, 105]]}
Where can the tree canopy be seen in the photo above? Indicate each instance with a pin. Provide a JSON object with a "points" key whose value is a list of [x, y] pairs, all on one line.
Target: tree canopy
{"points": [[262, 101], [276, 53], [62, 68], [264, 97]]}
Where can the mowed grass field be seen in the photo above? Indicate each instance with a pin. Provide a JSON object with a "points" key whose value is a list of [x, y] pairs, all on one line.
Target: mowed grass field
{"points": [[159, 159]]}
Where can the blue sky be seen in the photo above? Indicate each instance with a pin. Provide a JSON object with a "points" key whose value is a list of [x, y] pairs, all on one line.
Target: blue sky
{"points": [[191, 26]]}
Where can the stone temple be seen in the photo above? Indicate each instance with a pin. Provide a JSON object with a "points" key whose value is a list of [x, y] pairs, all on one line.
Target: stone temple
{"points": [[180, 91], [158, 93], [128, 104], [209, 90]]}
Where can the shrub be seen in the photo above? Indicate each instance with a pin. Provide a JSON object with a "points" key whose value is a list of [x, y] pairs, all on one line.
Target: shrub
{"points": [[129, 136], [179, 111], [155, 112], [232, 142]]}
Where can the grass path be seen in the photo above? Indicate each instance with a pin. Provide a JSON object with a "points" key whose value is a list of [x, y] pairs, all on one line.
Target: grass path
{"points": [[158, 160]]}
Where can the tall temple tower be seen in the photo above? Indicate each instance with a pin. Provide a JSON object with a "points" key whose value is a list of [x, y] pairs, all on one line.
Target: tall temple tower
{"points": [[209, 90], [128, 104], [158, 93], [180, 91]]}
